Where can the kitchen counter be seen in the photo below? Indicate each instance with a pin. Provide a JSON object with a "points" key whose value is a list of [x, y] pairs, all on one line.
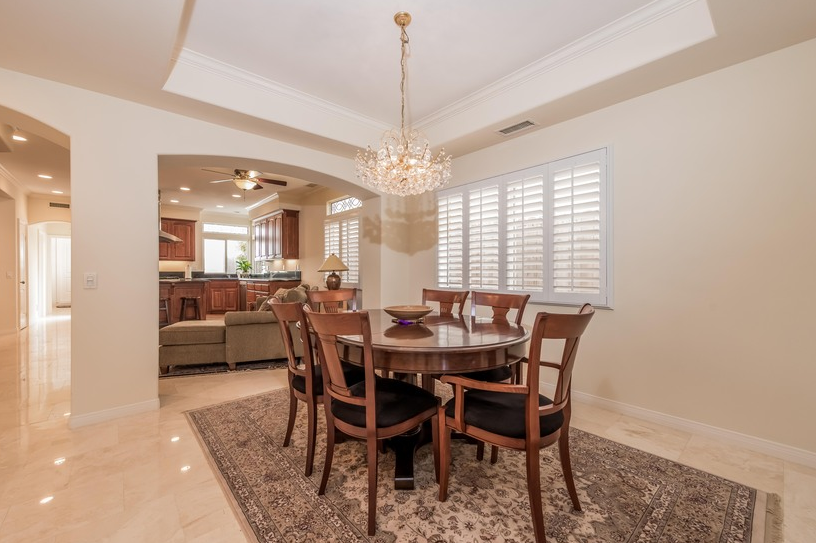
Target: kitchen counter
{"points": [[219, 293]]}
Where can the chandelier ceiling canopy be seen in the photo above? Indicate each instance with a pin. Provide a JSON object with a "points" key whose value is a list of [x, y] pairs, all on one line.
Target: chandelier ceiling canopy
{"points": [[404, 164]]}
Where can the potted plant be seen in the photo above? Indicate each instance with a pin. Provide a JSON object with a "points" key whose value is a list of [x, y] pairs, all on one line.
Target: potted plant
{"points": [[243, 265]]}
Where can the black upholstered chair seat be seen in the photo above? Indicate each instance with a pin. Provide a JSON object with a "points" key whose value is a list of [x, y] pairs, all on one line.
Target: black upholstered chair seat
{"points": [[493, 375], [397, 401], [353, 374], [503, 413]]}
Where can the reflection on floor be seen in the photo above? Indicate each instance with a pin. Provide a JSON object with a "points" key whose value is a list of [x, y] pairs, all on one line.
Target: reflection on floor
{"points": [[144, 478]]}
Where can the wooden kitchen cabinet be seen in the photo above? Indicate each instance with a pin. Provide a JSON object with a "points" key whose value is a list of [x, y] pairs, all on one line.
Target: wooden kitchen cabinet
{"points": [[184, 250], [276, 235], [223, 296], [174, 291]]}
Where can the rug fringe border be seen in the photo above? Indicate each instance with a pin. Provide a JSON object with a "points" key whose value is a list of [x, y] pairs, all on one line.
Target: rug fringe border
{"points": [[243, 522]]}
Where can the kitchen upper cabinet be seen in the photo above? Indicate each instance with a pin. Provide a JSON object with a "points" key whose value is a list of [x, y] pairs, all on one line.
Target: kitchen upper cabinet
{"points": [[276, 235], [184, 250]]}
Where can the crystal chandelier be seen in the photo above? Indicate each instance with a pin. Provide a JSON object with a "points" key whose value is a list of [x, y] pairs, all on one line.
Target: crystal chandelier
{"points": [[404, 164]]}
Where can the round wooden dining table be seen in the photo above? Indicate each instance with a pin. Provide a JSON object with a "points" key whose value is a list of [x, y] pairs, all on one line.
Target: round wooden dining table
{"points": [[436, 345]]}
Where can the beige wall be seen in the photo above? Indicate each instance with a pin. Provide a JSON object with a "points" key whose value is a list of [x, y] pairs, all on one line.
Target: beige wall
{"points": [[115, 345], [13, 209], [714, 258], [40, 210]]}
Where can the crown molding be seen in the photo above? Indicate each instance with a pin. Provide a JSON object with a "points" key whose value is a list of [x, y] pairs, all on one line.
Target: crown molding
{"points": [[575, 51], [190, 64]]}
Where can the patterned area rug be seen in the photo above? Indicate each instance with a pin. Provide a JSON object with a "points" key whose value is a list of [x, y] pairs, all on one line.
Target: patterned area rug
{"points": [[626, 495], [204, 369]]}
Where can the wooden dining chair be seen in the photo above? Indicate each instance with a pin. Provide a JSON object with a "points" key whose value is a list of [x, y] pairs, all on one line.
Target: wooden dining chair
{"points": [[333, 301], [374, 409], [517, 416], [447, 299], [501, 305], [305, 376]]}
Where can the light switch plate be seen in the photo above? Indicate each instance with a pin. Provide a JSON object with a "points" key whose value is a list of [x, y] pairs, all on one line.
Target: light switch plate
{"points": [[89, 280]]}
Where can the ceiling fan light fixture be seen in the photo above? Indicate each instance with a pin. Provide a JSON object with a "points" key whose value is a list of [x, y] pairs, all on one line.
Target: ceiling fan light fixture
{"points": [[245, 184], [404, 164]]}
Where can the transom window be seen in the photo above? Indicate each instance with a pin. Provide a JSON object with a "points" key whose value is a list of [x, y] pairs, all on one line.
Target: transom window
{"points": [[542, 231]]}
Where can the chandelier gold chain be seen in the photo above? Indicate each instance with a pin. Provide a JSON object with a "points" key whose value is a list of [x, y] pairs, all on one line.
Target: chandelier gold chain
{"points": [[403, 165]]}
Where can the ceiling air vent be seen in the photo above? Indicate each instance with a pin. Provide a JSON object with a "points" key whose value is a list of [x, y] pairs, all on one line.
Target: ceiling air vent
{"points": [[516, 127], [57, 204]]}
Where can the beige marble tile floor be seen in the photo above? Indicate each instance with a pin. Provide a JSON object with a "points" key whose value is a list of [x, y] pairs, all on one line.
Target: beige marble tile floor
{"points": [[144, 478]]}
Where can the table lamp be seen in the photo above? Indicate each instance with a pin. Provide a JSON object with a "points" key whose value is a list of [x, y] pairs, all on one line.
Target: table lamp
{"points": [[333, 264]]}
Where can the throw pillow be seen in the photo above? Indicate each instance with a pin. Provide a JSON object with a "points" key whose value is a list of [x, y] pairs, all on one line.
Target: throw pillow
{"points": [[297, 294], [280, 294], [265, 305]]}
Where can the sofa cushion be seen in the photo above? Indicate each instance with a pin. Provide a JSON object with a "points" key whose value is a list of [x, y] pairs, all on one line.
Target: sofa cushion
{"points": [[192, 333], [233, 318], [290, 295]]}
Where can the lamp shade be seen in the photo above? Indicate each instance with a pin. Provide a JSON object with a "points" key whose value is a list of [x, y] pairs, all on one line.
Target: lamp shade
{"points": [[333, 263]]}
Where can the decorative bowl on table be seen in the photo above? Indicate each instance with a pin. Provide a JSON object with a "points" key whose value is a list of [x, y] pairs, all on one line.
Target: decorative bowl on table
{"points": [[407, 312]]}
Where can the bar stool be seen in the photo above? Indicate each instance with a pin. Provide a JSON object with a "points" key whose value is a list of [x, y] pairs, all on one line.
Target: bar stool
{"points": [[164, 312], [187, 303]]}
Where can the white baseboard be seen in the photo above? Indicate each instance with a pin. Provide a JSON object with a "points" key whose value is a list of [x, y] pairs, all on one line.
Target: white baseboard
{"points": [[77, 421], [756, 444]]}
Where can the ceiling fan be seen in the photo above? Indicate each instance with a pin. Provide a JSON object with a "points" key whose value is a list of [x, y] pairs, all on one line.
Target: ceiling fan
{"points": [[246, 179]]}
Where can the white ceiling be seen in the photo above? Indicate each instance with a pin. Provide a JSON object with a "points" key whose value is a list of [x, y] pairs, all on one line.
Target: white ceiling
{"points": [[326, 74]]}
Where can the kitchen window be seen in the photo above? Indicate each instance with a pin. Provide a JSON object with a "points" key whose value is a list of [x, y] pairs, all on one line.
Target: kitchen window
{"points": [[223, 243], [341, 236], [543, 231]]}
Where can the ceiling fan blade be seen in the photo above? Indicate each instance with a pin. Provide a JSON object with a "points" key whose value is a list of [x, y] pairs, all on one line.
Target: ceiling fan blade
{"points": [[215, 171], [221, 180], [271, 181]]}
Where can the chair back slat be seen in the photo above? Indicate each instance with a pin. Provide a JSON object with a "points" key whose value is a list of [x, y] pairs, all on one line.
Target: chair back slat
{"points": [[333, 301], [447, 299], [501, 304]]}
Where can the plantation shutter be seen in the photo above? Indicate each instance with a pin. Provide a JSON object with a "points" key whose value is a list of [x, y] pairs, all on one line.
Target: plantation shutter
{"points": [[342, 237], [351, 249], [450, 247], [577, 261], [483, 238], [542, 231], [525, 249]]}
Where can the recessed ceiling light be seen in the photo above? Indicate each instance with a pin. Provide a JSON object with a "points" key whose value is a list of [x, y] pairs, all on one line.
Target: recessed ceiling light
{"points": [[173, 201], [185, 469], [46, 499], [186, 189], [56, 192], [59, 461], [18, 136], [175, 439], [43, 176], [236, 195], [219, 206]]}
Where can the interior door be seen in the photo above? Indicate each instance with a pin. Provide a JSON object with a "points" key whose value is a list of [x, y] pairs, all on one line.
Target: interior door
{"points": [[22, 273]]}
